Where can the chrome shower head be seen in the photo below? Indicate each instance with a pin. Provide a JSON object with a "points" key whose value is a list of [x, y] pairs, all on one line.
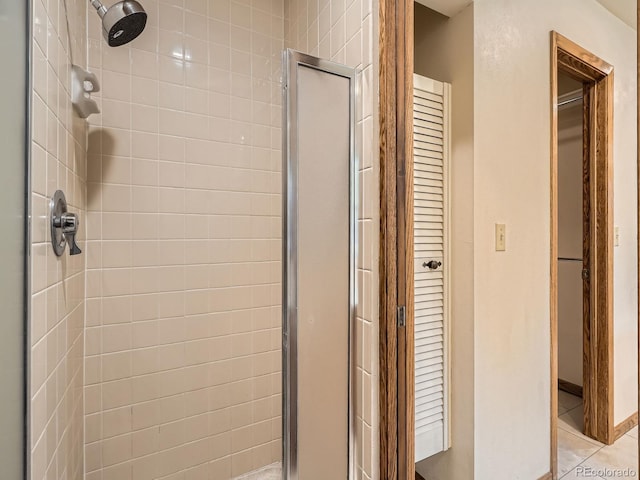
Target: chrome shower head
{"points": [[121, 22]]}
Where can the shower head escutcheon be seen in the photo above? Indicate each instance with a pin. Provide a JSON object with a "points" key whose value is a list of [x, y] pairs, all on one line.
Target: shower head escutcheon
{"points": [[121, 22]]}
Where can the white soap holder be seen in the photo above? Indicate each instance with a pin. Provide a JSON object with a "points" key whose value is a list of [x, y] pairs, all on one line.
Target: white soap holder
{"points": [[83, 84]]}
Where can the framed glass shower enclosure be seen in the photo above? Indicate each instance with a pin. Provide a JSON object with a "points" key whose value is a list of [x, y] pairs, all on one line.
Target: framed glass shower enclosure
{"points": [[319, 268]]}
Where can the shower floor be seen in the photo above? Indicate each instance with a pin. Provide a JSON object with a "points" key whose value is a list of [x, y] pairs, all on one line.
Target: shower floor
{"points": [[270, 472]]}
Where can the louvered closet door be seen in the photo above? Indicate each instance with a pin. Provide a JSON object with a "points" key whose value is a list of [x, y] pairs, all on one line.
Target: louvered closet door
{"points": [[430, 130]]}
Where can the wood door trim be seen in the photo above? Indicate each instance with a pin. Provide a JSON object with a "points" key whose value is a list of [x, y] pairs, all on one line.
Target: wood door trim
{"points": [[553, 263], [598, 335], [404, 83], [388, 342], [638, 199], [396, 382], [624, 426], [588, 233]]}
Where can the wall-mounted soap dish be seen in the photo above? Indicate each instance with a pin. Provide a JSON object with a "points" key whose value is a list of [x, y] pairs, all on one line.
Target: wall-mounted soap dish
{"points": [[83, 84]]}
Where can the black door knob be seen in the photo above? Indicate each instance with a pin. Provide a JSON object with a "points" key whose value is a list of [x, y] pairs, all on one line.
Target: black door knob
{"points": [[432, 265]]}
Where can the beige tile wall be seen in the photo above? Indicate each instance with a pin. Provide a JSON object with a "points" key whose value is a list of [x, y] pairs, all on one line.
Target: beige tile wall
{"points": [[57, 321], [344, 31], [183, 255]]}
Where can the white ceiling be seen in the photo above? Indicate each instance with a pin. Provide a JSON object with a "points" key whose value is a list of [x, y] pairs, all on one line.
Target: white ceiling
{"points": [[626, 10], [449, 7]]}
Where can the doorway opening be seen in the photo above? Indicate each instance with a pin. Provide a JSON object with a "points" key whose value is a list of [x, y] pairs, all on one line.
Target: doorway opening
{"points": [[581, 242], [574, 227]]}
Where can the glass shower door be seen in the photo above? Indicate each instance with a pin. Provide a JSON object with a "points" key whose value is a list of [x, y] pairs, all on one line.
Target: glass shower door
{"points": [[319, 274], [13, 160]]}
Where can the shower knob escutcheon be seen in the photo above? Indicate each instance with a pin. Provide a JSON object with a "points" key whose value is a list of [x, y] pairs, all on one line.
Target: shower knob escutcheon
{"points": [[64, 226]]}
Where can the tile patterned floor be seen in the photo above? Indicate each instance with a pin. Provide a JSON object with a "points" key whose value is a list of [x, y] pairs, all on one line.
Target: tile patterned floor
{"points": [[581, 457], [578, 455], [270, 472]]}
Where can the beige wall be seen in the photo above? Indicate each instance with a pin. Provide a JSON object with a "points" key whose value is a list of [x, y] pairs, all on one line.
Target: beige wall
{"points": [[570, 315], [511, 186], [57, 303], [507, 181], [345, 31], [444, 52], [183, 254]]}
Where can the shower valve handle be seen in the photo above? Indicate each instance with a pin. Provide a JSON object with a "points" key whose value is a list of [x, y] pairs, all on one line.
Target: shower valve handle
{"points": [[69, 225], [64, 226]]}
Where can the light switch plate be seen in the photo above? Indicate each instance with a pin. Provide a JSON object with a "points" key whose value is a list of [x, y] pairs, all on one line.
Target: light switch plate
{"points": [[501, 237]]}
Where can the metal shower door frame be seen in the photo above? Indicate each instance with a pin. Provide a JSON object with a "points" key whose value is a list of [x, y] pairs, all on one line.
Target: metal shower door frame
{"points": [[291, 61]]}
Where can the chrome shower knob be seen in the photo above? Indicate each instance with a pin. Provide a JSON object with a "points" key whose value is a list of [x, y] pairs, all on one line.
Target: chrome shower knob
{"points": [[64, 226], [69, 223]]}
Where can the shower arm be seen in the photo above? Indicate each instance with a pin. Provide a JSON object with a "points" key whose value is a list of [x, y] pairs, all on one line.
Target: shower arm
{"points": [[101, 9]]}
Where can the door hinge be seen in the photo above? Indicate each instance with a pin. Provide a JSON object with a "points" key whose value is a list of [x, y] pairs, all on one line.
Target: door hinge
{"points": [[402, 320]]}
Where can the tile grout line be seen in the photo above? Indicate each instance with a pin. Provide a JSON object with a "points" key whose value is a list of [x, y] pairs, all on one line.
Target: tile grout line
{"points": [[582, 463], [581, 437], [585, 438]]}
